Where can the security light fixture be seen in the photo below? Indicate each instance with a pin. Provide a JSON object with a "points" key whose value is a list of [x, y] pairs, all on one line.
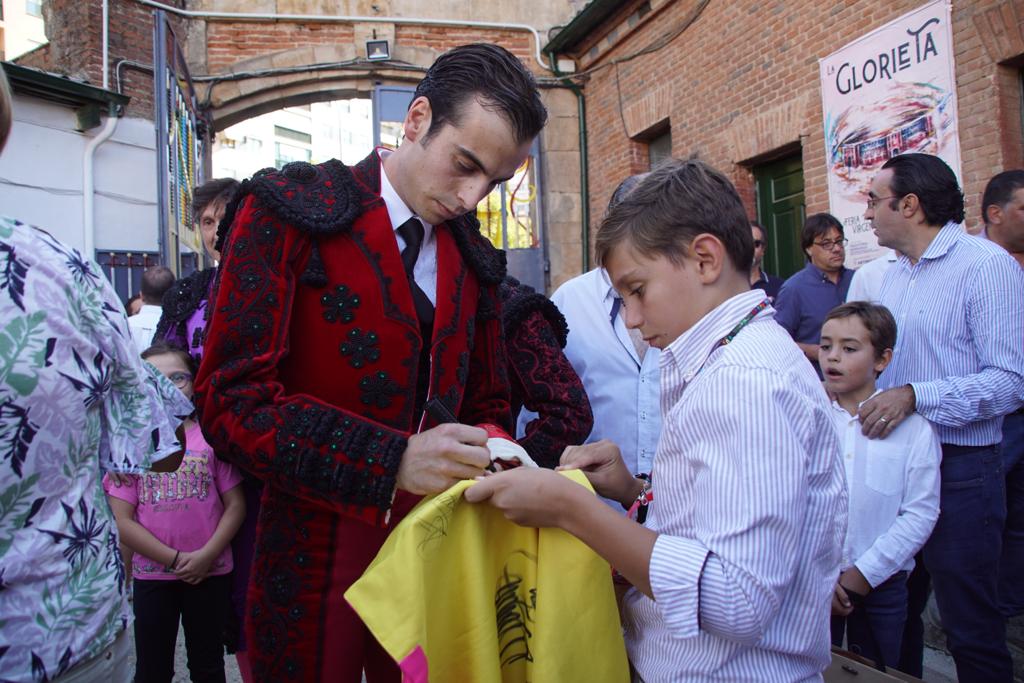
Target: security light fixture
{"points": [[377, 50]]}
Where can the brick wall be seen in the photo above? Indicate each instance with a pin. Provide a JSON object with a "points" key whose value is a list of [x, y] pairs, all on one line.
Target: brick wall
{"points": [[231, 42], [442, 39], [218, 47], [742, 83], [131, 37], [75, 31], [252, 46]]}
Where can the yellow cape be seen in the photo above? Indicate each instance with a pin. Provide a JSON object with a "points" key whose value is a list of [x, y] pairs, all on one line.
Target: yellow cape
{"points": [[459, 593]]}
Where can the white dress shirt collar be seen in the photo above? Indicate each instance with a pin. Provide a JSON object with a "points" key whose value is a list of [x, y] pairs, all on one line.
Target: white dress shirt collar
{"points": [[425, 269], [944, 240], [612, 304], [947, 236], [609, 290], [839, 408]]}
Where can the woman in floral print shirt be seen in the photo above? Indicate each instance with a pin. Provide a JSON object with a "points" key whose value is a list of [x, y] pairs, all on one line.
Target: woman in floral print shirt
{"points": [[75, 401]]}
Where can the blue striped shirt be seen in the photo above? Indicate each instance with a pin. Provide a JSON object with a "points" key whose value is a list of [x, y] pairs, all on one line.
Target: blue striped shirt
{"points": [[750, 508], [960, 335]]}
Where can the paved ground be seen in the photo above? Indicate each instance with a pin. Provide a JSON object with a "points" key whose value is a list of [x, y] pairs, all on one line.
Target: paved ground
{"points": [[181, 663], [938, 665]]}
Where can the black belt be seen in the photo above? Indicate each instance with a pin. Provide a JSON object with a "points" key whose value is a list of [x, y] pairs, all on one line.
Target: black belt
{"points": [[954, 449]]}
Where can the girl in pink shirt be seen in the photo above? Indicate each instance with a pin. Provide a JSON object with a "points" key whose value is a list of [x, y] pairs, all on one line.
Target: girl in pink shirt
{"points": [[179, 526]]}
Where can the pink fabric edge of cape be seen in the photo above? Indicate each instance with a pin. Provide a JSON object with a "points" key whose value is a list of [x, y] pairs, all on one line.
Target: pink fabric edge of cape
{"points": [[414, 667]]}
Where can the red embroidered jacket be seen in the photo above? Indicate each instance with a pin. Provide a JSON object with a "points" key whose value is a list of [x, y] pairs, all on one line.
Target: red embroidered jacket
{"points": [[308, 381]]}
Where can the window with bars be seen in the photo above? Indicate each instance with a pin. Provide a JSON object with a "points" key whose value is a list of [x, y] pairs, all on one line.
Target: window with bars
{"points": [[124, 268], [508, 215]]}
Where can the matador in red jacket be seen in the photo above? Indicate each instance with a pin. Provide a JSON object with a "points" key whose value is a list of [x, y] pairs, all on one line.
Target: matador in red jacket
{"points": [[349, 299]]}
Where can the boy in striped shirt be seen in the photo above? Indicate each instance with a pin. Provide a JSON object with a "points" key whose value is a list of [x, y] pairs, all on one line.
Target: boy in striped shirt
{"points": [[734, 567]]}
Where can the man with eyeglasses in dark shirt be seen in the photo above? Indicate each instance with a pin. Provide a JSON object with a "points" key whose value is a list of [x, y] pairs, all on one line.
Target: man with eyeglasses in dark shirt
{"points": [[758, 278], [807, 296]]}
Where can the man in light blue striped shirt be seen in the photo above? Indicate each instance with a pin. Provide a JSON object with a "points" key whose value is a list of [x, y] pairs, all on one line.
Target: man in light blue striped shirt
{"points": [[959, 306], [733, 570]]}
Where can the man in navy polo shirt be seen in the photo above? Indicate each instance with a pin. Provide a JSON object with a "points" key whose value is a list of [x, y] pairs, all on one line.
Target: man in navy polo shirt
{"points": [[807, 296]]}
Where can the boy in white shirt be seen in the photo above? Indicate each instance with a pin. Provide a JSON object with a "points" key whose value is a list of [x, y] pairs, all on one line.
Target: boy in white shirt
{"points": [[893, 485]]}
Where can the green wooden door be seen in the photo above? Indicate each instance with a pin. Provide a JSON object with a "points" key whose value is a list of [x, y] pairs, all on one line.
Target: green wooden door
{"points": [[781, 209]]}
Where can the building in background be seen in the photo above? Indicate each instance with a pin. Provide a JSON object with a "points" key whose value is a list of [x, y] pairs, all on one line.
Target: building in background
{"points": [[738, 84], [43, 178], [22, 28], [339, 129], [246, 65]]}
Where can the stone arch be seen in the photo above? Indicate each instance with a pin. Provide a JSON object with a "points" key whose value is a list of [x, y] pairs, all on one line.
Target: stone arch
{"points": [[231, 101], [258, 87]]}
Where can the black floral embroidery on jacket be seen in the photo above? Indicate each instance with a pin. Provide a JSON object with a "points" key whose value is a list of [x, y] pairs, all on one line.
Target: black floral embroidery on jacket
{"points": [[360, 348], [378, 389], [341, 305]]}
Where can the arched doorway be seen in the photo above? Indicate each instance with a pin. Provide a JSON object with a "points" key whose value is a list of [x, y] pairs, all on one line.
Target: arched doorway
{"points": [[511, 215]]}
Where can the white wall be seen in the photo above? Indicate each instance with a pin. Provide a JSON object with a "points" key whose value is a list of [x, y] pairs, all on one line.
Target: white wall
{"points": [[45, 153], [22, 31]]}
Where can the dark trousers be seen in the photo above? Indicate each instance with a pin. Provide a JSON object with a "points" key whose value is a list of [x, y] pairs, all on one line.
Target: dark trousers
{"points": [[202, 610], [877, 619], [1011, 564], [963, 556], [919, 587]]}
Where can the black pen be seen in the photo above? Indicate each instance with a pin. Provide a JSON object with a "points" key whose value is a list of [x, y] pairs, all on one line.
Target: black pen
{"points": [[436, 408]]}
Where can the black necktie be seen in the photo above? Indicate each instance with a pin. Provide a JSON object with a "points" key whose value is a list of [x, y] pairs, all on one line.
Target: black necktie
{"points": [[412, 233]]}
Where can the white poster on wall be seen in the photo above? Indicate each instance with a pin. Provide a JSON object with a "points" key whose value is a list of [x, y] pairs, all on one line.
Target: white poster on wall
{"points": [[890, 92]]}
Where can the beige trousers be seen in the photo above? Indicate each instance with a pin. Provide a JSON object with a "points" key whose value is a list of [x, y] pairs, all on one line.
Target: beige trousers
{"points": [[112, 665]]}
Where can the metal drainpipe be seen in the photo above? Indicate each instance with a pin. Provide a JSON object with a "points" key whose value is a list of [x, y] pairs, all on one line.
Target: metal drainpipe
{"points": [[89, 184], [106, 45], [89, 155], [581, 109]]}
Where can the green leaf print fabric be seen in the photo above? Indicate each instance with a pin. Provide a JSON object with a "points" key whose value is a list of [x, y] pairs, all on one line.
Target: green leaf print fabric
{"points": [[75, 401]]}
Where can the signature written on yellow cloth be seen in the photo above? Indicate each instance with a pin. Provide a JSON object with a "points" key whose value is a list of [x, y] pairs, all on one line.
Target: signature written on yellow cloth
{"points": [[459, 593]]}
